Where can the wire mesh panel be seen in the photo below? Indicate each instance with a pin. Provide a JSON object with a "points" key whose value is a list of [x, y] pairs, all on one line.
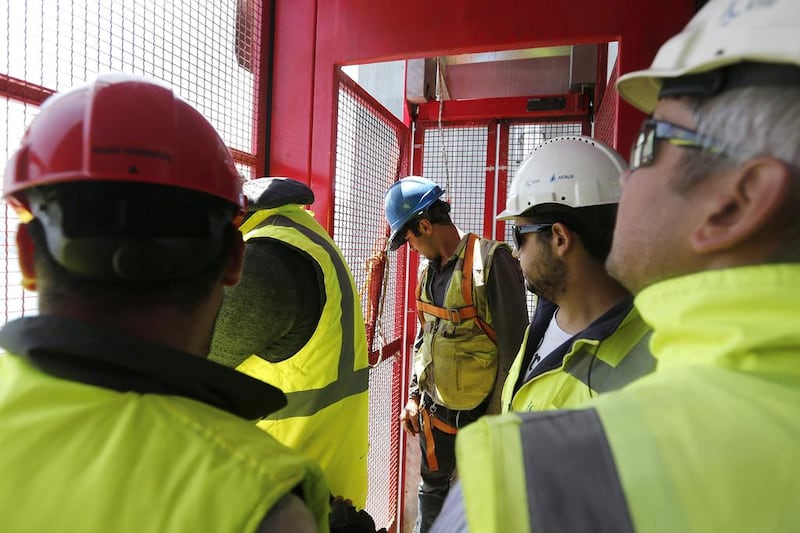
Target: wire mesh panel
{"points": [[370, 156], [14, 301], [194, 47], [455, 158], [605, 125], [208, 51]]}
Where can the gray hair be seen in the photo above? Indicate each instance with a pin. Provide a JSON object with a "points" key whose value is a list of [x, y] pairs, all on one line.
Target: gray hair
{"points": [[750, 122]]}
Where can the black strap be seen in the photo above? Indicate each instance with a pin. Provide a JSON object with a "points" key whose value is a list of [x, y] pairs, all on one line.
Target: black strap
{"points": [[745, 74]]}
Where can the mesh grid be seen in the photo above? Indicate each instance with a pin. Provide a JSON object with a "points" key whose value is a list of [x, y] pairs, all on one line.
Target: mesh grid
{"points": [[605, 126], [384, 448], [189, 45], [192, 46], [455, 158], [370, 157], [14, 302]]}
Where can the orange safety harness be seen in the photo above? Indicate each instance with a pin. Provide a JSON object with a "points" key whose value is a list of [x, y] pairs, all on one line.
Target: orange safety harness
{"points": [[469, 311], [428, 423]]}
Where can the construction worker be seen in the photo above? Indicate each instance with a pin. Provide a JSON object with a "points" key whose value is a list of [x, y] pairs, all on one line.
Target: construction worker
{"points": [[707, 238], [586, 337], [294, 321], [472, 310], [111, 418]]}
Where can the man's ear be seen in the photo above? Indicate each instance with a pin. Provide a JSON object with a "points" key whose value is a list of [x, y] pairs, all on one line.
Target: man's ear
{"points": [[233, 270], [562, 239], [745, 202], [27, 262], [425, 226]]}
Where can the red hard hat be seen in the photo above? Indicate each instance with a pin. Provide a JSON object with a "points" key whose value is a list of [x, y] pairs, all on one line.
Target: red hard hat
{"points": [[122, 128]]}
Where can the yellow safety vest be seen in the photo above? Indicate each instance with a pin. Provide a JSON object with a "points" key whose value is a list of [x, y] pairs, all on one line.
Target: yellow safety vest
{"points": [[327, 416], [704, 443], [590, 367], [78, 457], [458, 355]]}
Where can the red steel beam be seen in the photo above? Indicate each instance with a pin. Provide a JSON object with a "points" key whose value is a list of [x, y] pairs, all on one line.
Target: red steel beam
{"points": [[245, 158], [23, 91], [576, 105]]}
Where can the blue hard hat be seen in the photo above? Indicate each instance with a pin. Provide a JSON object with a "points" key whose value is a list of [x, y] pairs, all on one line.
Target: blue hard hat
{"points": [[406, 199]]}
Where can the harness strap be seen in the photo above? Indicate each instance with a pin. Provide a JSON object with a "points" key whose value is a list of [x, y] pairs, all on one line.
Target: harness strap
{"points": [[469, 311], [457, 316], [430, 444], [428, 423]]}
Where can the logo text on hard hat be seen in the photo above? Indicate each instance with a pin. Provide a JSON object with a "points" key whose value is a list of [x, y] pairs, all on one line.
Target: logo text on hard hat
{"points": [[736, 8], [112, 150], [561, 177]]}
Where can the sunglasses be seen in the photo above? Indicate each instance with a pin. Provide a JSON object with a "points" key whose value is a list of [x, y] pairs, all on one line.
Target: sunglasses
{"points": [[523, 229], [652, 130]]}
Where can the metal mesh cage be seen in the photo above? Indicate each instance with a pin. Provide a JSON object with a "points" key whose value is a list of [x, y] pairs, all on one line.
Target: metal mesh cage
{"points": [[14, 301], [605, 125], [370, 156], [455, 158], [208, 51]]}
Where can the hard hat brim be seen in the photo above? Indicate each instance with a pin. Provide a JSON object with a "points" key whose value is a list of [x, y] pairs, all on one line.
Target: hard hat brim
{"points": [[396, 240], [507, 215], [641, 88]]}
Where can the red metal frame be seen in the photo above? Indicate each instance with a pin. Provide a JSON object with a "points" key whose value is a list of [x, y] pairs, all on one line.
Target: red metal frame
{"points": [[602, 70], [23, 91], [262, 85], [313, 37], [502, 179], [491, 191], [576, 106]]}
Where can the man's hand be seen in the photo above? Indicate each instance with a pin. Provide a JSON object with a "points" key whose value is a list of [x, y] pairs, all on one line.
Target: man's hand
{"points": [[409, 416], [345, 519]]}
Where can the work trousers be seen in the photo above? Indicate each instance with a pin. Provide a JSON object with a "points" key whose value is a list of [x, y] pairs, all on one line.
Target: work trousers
{"points": [[437, 440]]}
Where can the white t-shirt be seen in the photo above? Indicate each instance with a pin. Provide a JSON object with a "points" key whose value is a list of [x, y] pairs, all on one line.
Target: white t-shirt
{"points": [[552, 339]]}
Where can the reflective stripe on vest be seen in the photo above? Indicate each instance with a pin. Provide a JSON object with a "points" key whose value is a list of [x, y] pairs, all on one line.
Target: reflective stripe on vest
{"points": [[602, 377], [572, 481], [349, 381]]}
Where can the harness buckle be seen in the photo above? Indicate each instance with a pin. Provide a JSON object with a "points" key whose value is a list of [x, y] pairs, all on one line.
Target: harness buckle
{"points": [[454, 316]]}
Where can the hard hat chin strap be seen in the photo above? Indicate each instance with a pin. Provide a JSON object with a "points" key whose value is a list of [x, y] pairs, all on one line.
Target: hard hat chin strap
{"points": [[126, 238], [739, 75], [132, 260]]}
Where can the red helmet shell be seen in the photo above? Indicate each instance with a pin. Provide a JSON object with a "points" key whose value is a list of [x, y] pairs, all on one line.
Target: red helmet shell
{"points": [[123, 128]]}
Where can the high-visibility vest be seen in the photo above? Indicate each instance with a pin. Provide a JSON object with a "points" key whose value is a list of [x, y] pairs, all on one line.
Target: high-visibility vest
{"points": [[325, 382], [704, 443], [78, 457], [591, 366], [463, 364]]}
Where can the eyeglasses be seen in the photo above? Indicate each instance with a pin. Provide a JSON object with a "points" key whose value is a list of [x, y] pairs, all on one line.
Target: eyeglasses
{"points": [[524, 229], [652, 130]]}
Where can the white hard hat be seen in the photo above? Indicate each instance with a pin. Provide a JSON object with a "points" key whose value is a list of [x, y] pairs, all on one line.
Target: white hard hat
{"points": [[574, 171], [721, 34]]}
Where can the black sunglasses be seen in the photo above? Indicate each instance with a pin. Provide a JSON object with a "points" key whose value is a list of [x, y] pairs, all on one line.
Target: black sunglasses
{"points": [[523, 229], [652, 130]]}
